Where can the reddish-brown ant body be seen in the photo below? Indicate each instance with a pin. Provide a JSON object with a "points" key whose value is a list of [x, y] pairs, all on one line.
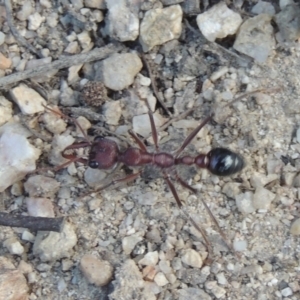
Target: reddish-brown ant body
{"points": [[105, 154]]}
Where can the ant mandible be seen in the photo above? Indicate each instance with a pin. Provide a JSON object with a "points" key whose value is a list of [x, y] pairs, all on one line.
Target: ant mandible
{"points": [[105, 154]]}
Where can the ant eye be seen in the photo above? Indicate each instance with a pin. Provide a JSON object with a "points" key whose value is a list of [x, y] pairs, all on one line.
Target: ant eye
{"points": [[93, 164], [98, 138]]}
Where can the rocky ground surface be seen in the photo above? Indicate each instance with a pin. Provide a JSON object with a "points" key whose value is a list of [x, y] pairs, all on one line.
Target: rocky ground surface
{"points": [[131, 241]]}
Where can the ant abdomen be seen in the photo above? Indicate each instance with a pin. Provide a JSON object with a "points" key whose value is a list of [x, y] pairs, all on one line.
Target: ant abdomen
{"points": [[223, 162]]}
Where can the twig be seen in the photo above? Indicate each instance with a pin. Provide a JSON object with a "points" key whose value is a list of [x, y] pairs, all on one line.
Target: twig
{"points": [[64, 62], [14, 31], [154, 87], [32, 223]]}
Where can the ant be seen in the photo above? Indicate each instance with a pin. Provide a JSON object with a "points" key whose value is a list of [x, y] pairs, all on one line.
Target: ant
{"points": [[105, 154]]}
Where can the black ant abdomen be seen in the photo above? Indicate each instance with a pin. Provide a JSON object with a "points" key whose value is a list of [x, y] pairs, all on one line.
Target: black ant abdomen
{"points": [[223, 162]]}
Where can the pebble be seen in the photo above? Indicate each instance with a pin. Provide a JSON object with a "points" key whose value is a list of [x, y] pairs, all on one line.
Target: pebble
{"points": [[218, 74], [160, 25], [59, 143], [14, 246], [95, 4], [244, 202], [218, 22], [263, 7], [95, 270], [112, 112], [40, 207], [221, 279], [28, 236], [160, 279], [259, 179], [41, 186], [240, 245], [287, 21], [295, 228], [150, 259], [84, 39], [215, 289], [192, 258], [231, 189], [118, 71], [263, 198], [25, 267], [51, 246], [35, 20], [25, 11], [129, 242], [53, 122], [141, 123], [193, 294], [94, 176], [28, 100], [287, 292], [61, 285], [13, 284], [5, 110], [5, 63], [15, 164], [122, 22], [255, 38]]}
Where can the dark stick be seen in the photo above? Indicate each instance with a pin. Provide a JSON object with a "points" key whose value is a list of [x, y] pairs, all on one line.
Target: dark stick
{"points": [[64, 62], [32, 223]]}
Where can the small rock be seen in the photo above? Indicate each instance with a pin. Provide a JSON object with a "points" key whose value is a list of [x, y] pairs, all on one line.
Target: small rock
{"points": [[26, 10], [288, 21], [15, 164], [193, 294], [94, 176], [5, 63], [28, 100], [263, 7], [53, 245], [129, 242], [150, 259], [231, 189], [192, 258], [5, 110], [25, 267], [165, 267], [95, 4], [221, 278], [84, 39], [13, 284], [96, 271], [112, 112], [28, 236], [244, 203], [41, 186], [118, 71], [262, 198], [287, 292], [122, 24], [258, 179], [59, 143], [53, 122], [215, 289], [160, 25], [141, 124], [218, 74], [255, 38], [149, 273], [14, 246], [218, 22], [40, 207], [295, 228], [35, 20], [72, 47], [160, 279], [240, 245]]}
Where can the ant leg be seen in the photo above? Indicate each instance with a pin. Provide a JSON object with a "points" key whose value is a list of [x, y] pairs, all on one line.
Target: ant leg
{"points": [[192, 135], [138, 140], [179, 203], [71, 119], [187, 186], [125, 179]]}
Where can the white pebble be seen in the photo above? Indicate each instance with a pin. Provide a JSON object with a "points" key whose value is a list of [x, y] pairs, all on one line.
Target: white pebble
{"points": [[160, 279], [14, 246], [240, 245], [295, 228], [192, 258], [35, 20], [150, 259]]}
